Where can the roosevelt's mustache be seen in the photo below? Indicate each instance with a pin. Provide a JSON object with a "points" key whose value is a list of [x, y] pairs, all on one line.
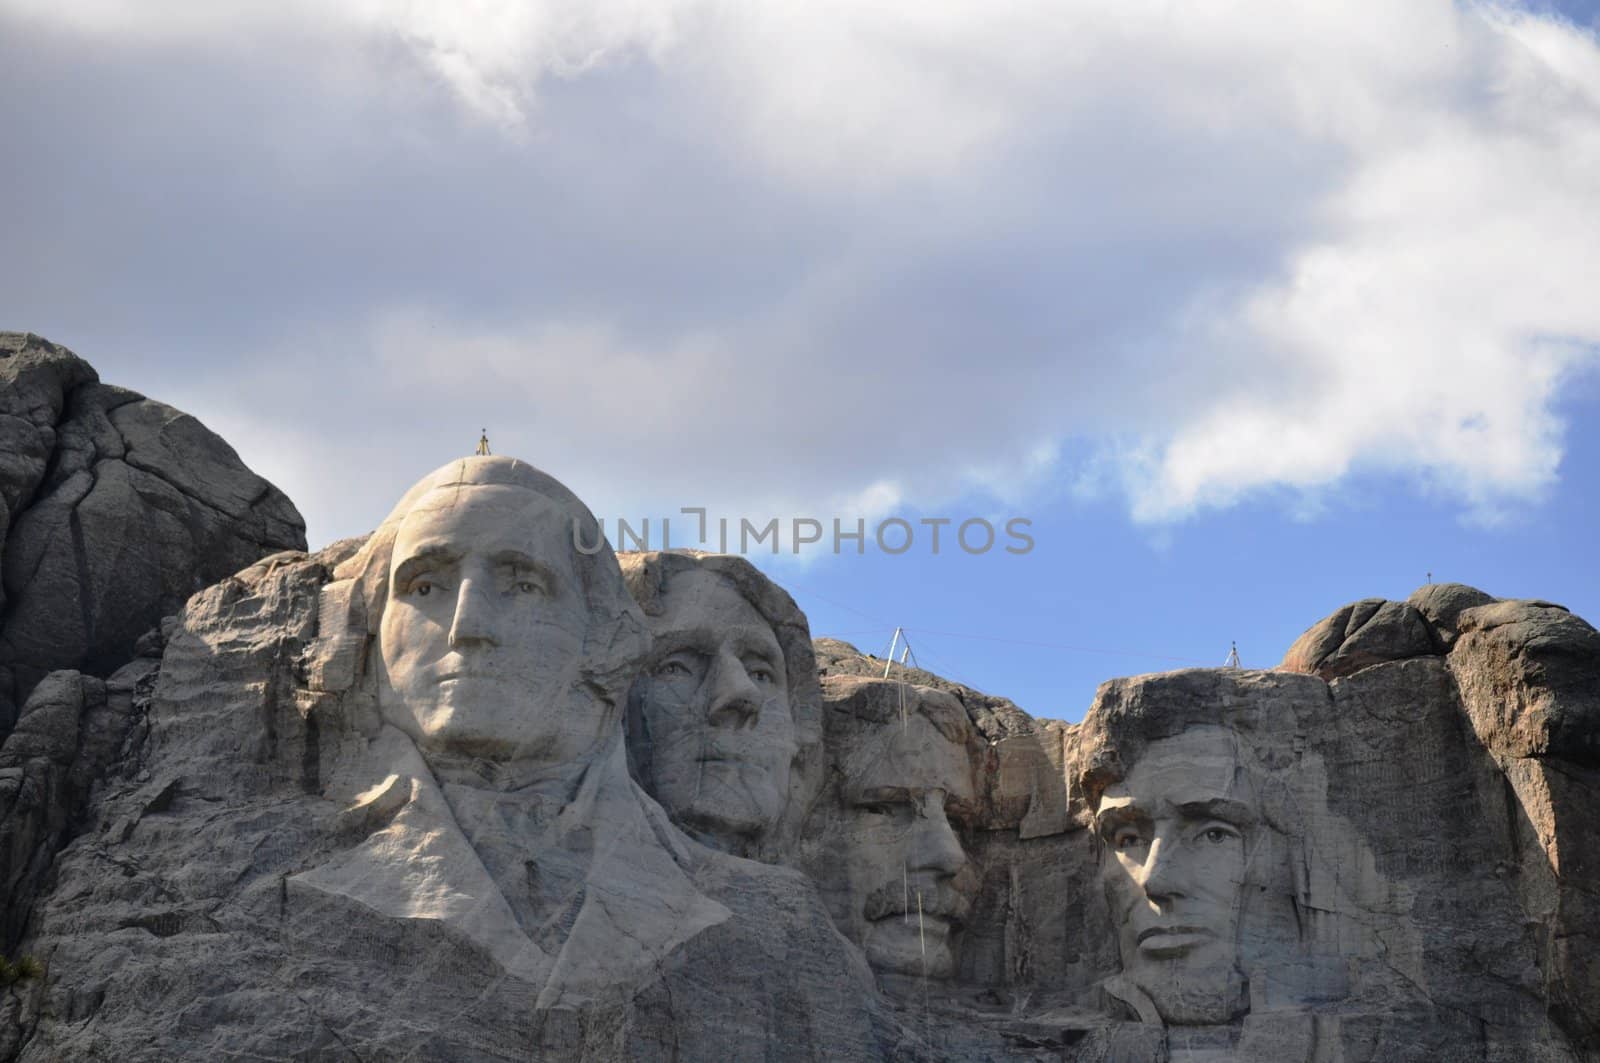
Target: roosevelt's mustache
{"points": [[940, 899]]}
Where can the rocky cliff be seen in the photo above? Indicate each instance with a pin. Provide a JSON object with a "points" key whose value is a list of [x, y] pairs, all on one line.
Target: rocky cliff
{"points": [[114, 509], [458, 791]]}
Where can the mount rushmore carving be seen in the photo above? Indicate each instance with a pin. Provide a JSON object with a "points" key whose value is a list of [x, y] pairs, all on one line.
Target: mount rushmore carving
{"points": [[472, 789]]}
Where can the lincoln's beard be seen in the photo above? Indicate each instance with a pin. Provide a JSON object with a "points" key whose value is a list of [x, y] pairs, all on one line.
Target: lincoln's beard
{"points": [[1192, 994]]}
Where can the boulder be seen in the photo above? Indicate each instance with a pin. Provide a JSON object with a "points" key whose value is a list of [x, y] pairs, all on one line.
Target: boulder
{"points": [[114, 509], [1358, 636]]}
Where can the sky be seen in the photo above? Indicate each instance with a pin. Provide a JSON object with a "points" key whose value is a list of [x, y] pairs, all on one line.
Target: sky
{"points": [[1247, 311]]}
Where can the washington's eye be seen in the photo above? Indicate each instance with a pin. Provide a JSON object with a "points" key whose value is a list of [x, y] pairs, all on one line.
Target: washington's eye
{"points": [[422, 588]]}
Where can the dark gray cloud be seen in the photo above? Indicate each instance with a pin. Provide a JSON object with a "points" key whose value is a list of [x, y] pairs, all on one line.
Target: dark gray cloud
{"points": [[818, 257]]}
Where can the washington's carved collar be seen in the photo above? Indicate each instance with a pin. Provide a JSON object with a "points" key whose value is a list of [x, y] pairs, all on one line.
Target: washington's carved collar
{"points": [[557, 781], [584, 895]]}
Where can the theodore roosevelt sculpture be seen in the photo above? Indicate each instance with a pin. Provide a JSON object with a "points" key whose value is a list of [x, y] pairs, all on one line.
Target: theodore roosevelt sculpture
{"points": [[882, 842], [494, 785], [722, 723]]}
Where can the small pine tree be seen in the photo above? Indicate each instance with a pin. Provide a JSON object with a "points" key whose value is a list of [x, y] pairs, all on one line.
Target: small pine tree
{"points": [[8, 972], [29, 967]]}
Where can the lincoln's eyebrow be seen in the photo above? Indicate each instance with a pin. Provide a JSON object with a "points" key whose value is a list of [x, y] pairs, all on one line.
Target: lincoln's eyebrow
{"points": [[1225, 809], [1113, 816]]}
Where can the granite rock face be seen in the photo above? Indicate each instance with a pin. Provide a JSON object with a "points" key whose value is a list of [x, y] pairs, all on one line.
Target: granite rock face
{"points": [[465, 791], [114, 509]]}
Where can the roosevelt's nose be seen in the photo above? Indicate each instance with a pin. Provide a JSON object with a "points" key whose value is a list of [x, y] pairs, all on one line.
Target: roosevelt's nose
{"points": [[1163, 877], [473, 622], [934, 844], [735, 698]]}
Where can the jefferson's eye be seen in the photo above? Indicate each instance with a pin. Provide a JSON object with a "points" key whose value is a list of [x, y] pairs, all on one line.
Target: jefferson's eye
{"points": [[672, 668]]}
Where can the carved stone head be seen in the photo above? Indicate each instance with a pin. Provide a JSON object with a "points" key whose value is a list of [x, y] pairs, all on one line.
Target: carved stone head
{"points": [[1177, 833], [883, 840], [497, 638], [722, 722]]}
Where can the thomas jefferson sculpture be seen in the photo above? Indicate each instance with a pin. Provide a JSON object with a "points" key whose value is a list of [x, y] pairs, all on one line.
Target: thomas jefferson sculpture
{"points": [[723, 721]]}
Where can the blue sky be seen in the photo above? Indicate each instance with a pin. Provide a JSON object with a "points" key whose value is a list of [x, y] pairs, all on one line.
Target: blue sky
{"points": [[1251, 311]]}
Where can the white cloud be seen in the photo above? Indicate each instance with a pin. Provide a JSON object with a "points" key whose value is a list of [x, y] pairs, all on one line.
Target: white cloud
{"points": [[890, 253]]}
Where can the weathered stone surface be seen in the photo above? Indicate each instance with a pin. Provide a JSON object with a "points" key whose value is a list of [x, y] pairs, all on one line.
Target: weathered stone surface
{"points": [[1529, 677], [1358, 636], [114, 509], [723, 724], [1441, 604], [317, 863], [70, 735], [1375, 890], [995, 717], [378, 806]]}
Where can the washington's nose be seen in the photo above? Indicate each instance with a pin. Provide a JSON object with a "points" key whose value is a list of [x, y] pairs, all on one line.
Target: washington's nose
{"points": [[473, 622], [1163, 878], [934, 845], [735, 699]]}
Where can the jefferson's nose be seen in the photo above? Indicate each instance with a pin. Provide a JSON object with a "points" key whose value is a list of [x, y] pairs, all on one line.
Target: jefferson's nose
{"points": [[473, 622], [934, 844], [735, 699]]}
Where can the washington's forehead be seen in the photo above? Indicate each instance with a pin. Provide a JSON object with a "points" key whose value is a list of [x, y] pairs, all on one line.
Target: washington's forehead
{"points": [[471, 517]]}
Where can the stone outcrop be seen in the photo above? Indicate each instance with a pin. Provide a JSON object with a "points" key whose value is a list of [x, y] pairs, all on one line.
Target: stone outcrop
{"points": [[459, 791], [114, 509]]}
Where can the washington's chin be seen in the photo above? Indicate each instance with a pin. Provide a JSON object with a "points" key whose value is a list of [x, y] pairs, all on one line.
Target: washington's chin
{"points": [[487, 727], [899, 945]]}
